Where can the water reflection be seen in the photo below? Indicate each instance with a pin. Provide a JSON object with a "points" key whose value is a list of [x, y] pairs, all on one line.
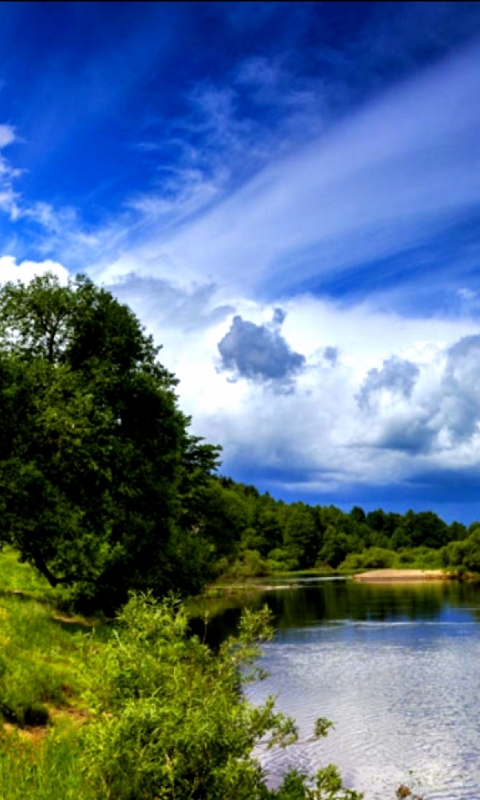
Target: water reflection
{"points": [[330, 601], [396, 667]]}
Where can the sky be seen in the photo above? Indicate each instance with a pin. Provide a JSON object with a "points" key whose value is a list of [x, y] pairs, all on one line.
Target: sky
{"points": [[288, 197]]}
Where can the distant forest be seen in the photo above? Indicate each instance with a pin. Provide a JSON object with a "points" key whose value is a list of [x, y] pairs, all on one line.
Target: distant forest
{"points": [[256, 535]]}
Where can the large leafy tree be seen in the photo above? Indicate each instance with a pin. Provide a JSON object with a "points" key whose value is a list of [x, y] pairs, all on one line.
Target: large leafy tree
{"points": [[100, 481]]}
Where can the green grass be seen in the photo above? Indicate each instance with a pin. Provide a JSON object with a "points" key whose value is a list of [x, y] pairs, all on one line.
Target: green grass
{"points": [[41, 768], [17, 578], [39, 661], [42, 688], [41, 652]]}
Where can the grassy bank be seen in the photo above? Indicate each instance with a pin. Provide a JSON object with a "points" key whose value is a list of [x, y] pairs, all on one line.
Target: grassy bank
{"points": [[42, 688], [41, 649]]}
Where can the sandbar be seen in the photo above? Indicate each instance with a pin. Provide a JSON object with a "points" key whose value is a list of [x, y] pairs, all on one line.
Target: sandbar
{"points": [[400, 575]]}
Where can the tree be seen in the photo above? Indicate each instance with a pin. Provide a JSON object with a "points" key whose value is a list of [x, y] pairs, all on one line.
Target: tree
{"points": [[335, 547], [100, 481], [301, 537]]}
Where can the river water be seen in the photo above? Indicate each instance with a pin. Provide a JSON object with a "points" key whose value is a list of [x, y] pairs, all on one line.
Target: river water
{"points": [[395, 667]]}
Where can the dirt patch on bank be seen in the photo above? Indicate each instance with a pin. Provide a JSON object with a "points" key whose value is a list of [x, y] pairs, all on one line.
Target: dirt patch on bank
{"points": [[400, 575]]}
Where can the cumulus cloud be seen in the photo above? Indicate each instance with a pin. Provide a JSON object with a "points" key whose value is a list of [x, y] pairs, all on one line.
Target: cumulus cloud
{"points": [[25, 271], [259, 352], [418, 381], [459, 413], [396, 377], [429, 408]]}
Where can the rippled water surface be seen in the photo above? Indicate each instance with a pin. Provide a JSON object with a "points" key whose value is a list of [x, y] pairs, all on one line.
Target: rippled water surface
{"points": [[397, 669]]}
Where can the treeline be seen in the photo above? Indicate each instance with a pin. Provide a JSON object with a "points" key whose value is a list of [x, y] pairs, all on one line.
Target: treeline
{"points": [[258, 535]]}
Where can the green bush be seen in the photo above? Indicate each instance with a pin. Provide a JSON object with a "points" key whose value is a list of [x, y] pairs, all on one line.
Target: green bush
{"points": [[172, 722], [280, 560], [251, 565], [371, 558], [352, 563], [378, 558], [419, 558]]}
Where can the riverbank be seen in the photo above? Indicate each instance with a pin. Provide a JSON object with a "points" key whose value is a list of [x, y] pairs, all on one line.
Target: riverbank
{"points": [[401, 575]]}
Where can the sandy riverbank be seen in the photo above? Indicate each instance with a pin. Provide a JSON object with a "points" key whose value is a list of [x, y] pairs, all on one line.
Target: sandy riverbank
{"points": [[400, 575]]}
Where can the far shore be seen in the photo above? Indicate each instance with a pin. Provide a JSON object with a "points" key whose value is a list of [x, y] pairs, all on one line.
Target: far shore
{"points": [[401, 575]]}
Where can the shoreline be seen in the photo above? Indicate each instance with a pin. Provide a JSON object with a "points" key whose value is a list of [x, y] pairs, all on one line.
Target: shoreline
{"points": [[401, 575]]}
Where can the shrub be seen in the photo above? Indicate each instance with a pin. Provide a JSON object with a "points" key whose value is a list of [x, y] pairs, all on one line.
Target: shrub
{"points": [[171, 718]]}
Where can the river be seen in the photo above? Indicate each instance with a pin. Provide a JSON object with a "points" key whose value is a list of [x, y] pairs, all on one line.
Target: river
{"points": [[395, 667]]}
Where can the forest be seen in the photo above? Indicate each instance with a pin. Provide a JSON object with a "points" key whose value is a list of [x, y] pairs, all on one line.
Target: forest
{"points": [[264, 536]]}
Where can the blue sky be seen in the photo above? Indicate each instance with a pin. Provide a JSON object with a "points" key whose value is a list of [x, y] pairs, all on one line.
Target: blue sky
{"points": [[288, 196]]}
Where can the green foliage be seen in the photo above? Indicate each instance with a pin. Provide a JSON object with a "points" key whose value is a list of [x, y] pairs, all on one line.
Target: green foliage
{"points": [[301, 539], [100, 483], [295, 537], [168, 716], [326, 786], [172, 721], [250, 565], [281, 560], [19, 578], [335, 547], [454, 553], [381, 558], [371, 558], [471, 559]]}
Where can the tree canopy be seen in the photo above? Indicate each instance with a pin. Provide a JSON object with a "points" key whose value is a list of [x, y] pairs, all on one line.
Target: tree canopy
{"points": [[100, 481]]}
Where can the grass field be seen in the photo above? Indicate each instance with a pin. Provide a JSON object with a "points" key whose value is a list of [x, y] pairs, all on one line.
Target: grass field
{"points": [[42, 688]]}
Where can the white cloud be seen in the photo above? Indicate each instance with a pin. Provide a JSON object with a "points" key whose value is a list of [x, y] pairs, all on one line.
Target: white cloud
{"points": [[25, 271], [7, 135]]}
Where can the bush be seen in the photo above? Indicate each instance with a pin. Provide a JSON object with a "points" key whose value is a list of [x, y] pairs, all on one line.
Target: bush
{"points": [[353, 562], [420, 558], [251, 565], [171, 718], [371, 558], [280, 560]]}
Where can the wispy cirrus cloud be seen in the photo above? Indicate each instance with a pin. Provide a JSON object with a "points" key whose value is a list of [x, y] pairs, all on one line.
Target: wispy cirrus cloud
{"points": [[8, 173], [378, 184]]}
